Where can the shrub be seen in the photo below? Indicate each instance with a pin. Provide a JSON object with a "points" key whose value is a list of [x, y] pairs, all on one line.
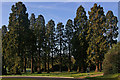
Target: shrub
{"points": [[111, 63]]}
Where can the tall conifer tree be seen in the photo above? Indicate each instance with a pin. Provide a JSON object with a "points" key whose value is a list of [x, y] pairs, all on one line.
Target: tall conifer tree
{"points": [[81, 27], [18, 27], [112, 28], [32, 42], [51, 39], [40, 36], [69, 34], [95, 34], [59, 39]]}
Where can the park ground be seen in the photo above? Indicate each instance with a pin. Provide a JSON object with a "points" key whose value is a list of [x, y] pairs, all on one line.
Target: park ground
{"points": [[62, 76]]}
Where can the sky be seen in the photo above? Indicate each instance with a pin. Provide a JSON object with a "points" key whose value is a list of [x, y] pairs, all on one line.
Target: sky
{"points": [[58, 11]]}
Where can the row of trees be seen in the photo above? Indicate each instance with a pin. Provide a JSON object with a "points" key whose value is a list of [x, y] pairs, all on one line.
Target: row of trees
{"points": [[31, 43]]}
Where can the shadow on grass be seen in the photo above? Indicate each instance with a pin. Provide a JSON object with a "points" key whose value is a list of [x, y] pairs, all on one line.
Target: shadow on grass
{"points": [[94, 78], [17, 79]]}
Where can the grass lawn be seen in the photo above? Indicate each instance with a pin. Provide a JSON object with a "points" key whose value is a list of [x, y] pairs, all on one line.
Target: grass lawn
{"points": [[106, 77], [58, 74], [18, 79], [66, 74]]}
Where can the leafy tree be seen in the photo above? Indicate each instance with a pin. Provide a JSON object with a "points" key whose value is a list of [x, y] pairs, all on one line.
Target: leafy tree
{"points": [[111, 63], [95, 34], [69, 35], [60, 40]]}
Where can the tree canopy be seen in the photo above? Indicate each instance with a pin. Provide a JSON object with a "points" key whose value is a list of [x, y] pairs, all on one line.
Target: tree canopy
{"points": [[80, 43]]}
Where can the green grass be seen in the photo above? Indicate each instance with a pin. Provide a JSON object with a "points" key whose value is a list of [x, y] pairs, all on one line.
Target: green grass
{"points": [[67, 74], [18, 79], [52, 74], [106, 77], [58, 74], [112, 75]]}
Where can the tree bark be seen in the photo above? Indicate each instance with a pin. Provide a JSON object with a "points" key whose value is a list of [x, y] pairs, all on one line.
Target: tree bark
{"points": [[100, 67], [60, 58], [69, 67], [48, 64], [38, 69], [96, 70], [24, 69], [4, 71], [45, 63], [60, 63], [32, 64], [52, 63], [78, 69], [69, 70], [82, 69]]}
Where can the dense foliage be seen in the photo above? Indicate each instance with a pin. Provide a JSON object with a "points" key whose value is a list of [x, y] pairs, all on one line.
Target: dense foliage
{"points": [[81, 43], [111, 63]]}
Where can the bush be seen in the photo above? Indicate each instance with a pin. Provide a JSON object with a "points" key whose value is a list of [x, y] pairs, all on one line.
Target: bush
{"points": [[111, 63]]}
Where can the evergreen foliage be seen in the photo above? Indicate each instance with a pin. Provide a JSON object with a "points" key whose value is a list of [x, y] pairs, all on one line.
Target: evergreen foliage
{"points": [[60, 41], [17, 36], [96, 37], [82, 43], [112, 28], [68, 39], [50, 40]]}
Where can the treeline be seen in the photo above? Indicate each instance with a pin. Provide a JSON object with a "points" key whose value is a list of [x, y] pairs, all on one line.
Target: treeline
{"points": [[81, 43]]}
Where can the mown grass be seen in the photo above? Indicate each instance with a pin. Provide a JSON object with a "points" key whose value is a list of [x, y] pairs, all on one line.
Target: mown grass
{"points": [[67, 74], [106, 77], [58, 74], [17, 79]]}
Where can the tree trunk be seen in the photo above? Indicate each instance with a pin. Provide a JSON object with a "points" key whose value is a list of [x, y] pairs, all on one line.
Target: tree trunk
{"points": [[4, 71], [38, 69], [24, 69], [69, 70], [96, 70], [32, 64], [52, 63], [60, 63], [45, 63], [35, 66], [60, 58], [78, 69], [69, 67], [100, 67], [48, 64], [82, 69]]}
